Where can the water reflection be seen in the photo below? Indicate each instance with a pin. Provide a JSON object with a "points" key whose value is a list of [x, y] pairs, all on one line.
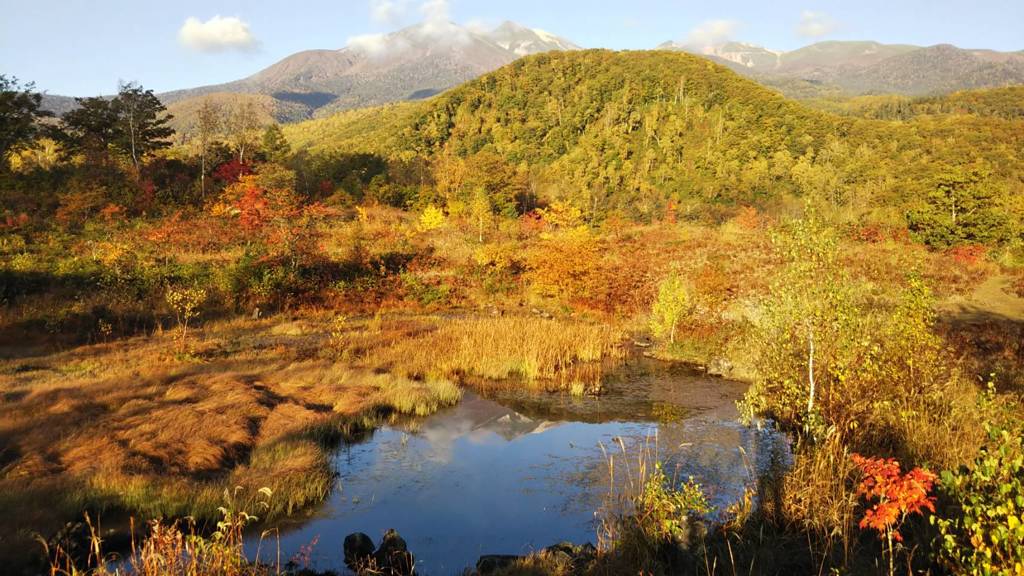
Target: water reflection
{"points": [[511, 472]]}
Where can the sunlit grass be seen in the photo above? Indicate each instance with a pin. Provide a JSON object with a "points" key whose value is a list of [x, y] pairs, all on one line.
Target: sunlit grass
{"points": [[499, 348], [419, 398]]}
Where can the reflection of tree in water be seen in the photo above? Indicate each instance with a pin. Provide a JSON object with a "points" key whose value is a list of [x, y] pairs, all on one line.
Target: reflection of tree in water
{"points": [[583, 477], [726, 458], [698, 434], [638, 391]]}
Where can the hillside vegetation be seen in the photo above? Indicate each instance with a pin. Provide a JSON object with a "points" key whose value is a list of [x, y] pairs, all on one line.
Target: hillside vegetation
{"points": [[181, 319], [633, 133]]}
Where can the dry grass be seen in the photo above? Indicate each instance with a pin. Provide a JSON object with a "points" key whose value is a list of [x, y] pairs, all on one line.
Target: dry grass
{"points": [[519, 347], [130, 425], [175, 548]]}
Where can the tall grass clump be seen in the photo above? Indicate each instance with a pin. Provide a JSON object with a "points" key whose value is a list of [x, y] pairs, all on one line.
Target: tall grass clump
{"points": [[504, 347], [420, 398], [174, 549], [651, 521]]}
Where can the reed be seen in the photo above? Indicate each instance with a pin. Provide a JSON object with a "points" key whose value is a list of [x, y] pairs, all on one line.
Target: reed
{"points": [[509, 347], [175, 548]]}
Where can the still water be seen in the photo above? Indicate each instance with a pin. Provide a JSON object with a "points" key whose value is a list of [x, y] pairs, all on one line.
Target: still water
{"points": [[510, 473]]}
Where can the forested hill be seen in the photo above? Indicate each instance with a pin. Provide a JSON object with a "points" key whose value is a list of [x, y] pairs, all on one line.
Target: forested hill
{"points": [[633, 131]]}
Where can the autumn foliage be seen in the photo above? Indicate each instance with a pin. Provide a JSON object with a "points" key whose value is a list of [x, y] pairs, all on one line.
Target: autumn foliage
{"points": [[892, 495], [231, 171], [968, 254]]}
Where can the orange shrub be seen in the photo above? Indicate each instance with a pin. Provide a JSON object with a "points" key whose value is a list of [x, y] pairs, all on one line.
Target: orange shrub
{"points": [[892, 497], [968, 255], [747, 218]]}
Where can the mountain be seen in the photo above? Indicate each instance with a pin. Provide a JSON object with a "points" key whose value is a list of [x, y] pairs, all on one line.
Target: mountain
{"points": [[525, 41], [631, 132], [58, 105], [734, 54], [410, 64], [936, 69], [614, 130], [870, 67], [838, 55]]}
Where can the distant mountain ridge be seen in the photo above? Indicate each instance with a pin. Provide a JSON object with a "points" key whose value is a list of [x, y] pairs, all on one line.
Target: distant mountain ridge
{"points": [[422, 60], [410, 64], [871, 67]]}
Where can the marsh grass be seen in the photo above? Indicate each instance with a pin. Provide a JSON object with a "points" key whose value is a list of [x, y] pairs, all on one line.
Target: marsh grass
{"points": [[128, 428], [648, 516], [175, 548], [420, 398], [510, 347]]}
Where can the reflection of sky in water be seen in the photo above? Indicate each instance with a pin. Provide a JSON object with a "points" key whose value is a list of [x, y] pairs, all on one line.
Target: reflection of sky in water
{"points": [[481, 478]]}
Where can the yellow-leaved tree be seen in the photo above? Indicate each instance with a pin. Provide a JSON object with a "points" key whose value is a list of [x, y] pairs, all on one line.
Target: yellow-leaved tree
{"points": [[432, 218], [675, 303]]}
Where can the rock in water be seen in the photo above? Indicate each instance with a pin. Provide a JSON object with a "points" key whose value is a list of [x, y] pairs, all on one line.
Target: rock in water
{"points": [[359, 551], [491, 563], [393, 557]]}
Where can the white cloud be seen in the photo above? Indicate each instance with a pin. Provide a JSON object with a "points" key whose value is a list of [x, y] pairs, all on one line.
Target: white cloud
{"points": [[435, 26], [479, 26], [216, 34], [815, 24], [374, 44], [710, 34], [435, 10], [388, 11], [436, 18]]}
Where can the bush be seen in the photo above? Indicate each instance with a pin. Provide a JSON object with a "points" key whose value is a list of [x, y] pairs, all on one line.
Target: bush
{"points": [[674, 304], [982, 526], [665, 513]]}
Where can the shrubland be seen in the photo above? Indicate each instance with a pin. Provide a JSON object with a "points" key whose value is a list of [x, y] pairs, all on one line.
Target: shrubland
{"points": [[221, 313]]}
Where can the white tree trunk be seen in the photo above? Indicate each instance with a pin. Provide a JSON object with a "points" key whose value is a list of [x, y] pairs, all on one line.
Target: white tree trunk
{"points": [[810, 370]]}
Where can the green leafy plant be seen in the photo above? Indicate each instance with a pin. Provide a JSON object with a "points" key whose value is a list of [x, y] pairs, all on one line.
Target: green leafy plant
{"points": [[665, 512], [982, 530]]}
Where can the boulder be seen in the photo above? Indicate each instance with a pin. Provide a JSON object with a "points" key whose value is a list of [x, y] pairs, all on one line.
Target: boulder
{"points": [[719, 367], [393, 557], [561, 555], [359, 551], [492, 563]]}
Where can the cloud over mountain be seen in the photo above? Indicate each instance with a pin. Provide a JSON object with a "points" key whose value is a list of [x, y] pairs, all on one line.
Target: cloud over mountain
{"points": [[815, 24], [217, 34], [711, 33]]}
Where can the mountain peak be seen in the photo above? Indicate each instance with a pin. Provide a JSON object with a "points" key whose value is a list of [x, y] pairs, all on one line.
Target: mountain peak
{"points": [[523, 41]]}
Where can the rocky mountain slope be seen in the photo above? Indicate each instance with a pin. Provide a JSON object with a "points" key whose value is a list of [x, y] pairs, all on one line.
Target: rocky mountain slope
{"points": [[871, 67], [410, 64]]}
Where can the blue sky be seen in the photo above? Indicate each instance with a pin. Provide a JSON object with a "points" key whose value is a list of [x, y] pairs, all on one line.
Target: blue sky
{"points": [[83, 47]]}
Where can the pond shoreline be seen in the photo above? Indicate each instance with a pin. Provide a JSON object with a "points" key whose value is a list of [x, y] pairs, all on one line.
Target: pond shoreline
{"points": [[504, 419]]}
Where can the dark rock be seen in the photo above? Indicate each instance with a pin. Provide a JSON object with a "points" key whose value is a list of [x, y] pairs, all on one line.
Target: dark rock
{"points": [[698, 531], [491, 563], [393, 557], [359, 551], [560, 555], [586, 551]]}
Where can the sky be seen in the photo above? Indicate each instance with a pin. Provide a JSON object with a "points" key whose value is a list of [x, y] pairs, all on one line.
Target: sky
{"points": [[85, 47]]}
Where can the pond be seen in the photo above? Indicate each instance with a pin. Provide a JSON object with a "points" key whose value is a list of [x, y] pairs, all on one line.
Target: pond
{"points": [[507, 472]]}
